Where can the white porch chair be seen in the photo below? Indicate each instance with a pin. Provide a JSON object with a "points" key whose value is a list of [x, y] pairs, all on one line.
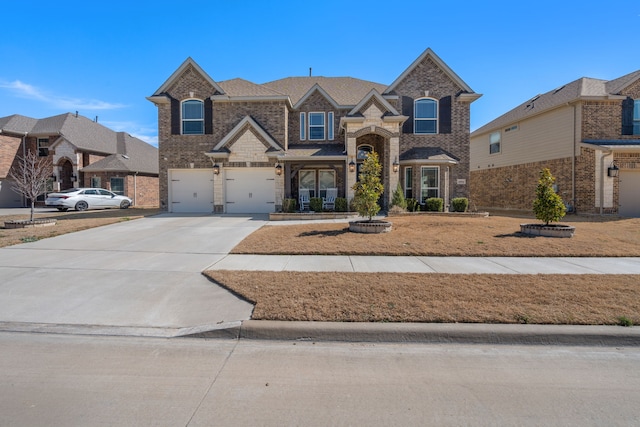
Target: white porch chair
{"points": [[329, 201], [304, 199]]}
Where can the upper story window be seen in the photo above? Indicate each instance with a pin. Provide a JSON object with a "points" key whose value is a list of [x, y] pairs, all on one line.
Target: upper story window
{"points": [[192, 117], [425, 118], [316, 126], [330, 130], [303, 127], [43, 147], [494, 143], [636, 117]]}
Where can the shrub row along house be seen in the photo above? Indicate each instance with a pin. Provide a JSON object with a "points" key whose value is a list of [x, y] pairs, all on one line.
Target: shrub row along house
{"points": [[239, 147], [586, 132], [84, 154]]}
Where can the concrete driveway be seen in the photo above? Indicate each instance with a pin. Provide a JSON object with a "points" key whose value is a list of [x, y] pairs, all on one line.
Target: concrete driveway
{"points": [[140, 277]]}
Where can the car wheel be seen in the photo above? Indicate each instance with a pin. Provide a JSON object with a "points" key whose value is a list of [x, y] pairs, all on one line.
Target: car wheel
{"points": [[82, 206], [124, 204], [63, 209]]}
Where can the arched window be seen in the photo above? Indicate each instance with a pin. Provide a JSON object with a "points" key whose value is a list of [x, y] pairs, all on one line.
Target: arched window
{"points": [[192, 117], [425, 114], [363, 151]]}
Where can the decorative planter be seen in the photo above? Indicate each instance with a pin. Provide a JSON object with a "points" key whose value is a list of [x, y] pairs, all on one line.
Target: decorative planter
{"points": [[551, 230], [374, 226], [25, 223]]}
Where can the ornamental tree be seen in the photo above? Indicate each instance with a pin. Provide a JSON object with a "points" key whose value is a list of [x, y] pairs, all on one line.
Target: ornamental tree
{"points": [[548, 206], [369, 188], [30, 175]]}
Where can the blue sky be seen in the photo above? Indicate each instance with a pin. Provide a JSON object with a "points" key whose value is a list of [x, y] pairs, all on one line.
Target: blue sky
{"points": [[102, 58]]}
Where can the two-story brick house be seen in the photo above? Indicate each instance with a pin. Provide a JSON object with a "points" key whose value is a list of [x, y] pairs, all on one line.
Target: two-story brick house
{"points": [[239, 147], [83, 152], [587, 132]]}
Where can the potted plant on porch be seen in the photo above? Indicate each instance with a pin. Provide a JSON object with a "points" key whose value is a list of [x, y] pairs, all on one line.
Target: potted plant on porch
{"points": [[548, 207], [368, 190]]}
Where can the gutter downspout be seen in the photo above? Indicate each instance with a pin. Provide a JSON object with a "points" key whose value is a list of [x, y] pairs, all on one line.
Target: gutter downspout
{"points": [[605, 154], [135, 189], [573, 161]]}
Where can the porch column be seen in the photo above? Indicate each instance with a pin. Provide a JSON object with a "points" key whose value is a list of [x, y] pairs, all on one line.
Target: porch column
{"points": [[351, 176], [394, 156]]}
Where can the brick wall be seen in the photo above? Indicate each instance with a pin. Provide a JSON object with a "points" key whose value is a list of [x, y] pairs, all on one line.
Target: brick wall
{"points": [[429, 77], [10, 147]]}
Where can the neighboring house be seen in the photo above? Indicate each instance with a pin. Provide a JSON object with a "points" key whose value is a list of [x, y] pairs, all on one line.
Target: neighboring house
{"points": [[239, 147], [586, 132], [84, 154]]}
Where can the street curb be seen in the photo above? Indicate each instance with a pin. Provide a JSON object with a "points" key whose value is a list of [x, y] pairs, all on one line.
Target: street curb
{"points": [[443, 333]]}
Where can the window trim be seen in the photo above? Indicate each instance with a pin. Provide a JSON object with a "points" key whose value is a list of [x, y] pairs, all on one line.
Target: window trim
{"points": [[417, 119], [183, 120], [120, 193], [423, 188], [493, 143], [324, 121]]}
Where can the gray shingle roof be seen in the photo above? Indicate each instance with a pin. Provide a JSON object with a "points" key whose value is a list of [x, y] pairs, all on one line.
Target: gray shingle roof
{"points": [[347, 91], [314, 150], [577, 89], [241, 87], [427, 153], [17, 123]]}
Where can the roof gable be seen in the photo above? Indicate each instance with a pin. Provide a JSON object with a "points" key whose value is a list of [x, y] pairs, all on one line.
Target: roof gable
{"points": [[439, 62], [189, 62], [345, 91], [316, 88], [247, 122], [375, 97]]}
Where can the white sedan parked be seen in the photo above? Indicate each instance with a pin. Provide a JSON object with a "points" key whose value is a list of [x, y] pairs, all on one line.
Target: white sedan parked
{"points": [[82, 199]]}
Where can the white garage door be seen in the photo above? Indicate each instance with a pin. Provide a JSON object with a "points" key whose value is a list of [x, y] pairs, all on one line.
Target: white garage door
{"points": [[250, 190], [191, 190], [630, 193]]}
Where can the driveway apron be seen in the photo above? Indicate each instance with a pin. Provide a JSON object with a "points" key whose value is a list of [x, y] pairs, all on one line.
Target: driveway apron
{"points": [[139, 274]]}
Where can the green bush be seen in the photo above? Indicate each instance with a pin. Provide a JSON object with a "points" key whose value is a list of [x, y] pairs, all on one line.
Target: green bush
{"points": [[369, 188], [315, 204], [289, 205], [341, 204], [459, 204], [413, 205], [434, 204], [398, 198], [548, 206]]}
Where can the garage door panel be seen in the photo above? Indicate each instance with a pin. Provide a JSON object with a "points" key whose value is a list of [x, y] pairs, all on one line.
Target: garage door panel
{"points": [[191, 191], [630, 193], [250, 190]]}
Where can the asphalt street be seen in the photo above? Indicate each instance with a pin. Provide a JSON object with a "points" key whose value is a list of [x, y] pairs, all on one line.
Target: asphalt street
{"points": [[65, 380]]}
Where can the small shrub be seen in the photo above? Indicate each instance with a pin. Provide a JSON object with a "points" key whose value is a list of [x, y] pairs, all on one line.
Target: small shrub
{"points": [[315, 204], [395, 210], [289, 205], [548, 206], [434, 204], [398, 198], [624, 321], [341, 204], [459, 204], [28, 239], [413, 205]]}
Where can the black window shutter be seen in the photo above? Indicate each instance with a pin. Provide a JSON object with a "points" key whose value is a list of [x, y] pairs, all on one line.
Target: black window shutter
{"points": [[175, 117], [407, 110], [444, 115], [208, 116], [627, 117]]}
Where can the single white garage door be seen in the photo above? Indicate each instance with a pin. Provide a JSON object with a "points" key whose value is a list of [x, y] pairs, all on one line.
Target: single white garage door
{"points": [[630, 193], [191, 190], [250, 190]]}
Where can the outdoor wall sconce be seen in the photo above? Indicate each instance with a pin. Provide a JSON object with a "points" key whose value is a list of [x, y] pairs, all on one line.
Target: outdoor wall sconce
{"points": [[613, 171], [54, 178], [352, 166], [278, 169], [395, 165], [216, 169], [74, 177]]}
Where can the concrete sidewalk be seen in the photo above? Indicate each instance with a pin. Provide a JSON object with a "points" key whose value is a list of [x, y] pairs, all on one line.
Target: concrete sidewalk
{"points": [[428, 264]]}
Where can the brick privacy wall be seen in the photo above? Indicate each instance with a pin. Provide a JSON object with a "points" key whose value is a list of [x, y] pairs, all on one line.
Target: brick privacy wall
{"points": [[146, 189], [315, 103], [428, 76]]}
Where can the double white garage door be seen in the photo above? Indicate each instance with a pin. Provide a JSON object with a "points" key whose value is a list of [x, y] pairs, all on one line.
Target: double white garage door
{"points": [[245, 190]]}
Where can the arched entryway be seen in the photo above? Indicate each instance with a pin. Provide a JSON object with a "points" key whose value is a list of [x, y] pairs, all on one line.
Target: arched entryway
{"points": [[66, 174]]}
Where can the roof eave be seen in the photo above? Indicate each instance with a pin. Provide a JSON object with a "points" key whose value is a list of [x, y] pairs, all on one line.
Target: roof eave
{"points": [[159, 99]]}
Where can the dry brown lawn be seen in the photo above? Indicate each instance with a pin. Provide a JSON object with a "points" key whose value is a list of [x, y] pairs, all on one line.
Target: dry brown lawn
{"points": [[473, 298], [379, 297], [67, 222], [449, 236]]}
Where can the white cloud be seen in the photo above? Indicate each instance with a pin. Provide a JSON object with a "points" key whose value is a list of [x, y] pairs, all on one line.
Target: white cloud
{"points": [[25, 90], [145, 133]]}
